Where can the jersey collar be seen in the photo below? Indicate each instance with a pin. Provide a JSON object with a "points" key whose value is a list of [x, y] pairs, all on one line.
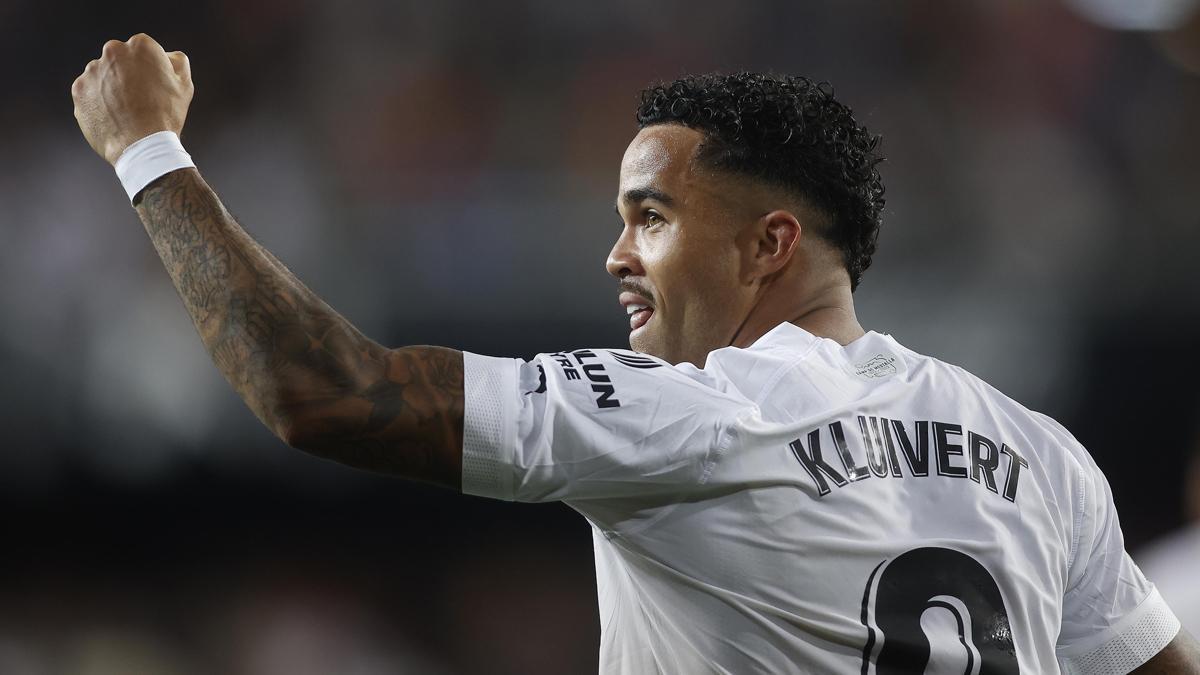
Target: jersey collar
{"points": [[791, 336], [786, 334]]}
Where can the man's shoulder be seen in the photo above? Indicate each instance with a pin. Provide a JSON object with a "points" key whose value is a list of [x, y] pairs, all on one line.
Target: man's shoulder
{"points": [[945, 379]]}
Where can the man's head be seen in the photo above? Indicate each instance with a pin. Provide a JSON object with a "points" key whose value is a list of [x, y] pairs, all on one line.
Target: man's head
{"points": [[742, 198]]}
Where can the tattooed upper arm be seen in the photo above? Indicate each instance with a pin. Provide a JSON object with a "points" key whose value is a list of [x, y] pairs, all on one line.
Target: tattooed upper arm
{"points": [[403, 415], [1180, 657]]}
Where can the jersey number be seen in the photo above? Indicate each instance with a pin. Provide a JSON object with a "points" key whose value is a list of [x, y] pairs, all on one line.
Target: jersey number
{"points": [[936, 610]]}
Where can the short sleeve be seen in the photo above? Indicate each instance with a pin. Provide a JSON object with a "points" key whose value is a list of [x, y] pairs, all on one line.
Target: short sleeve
{"points": [[1114, 620], [590, 424]]}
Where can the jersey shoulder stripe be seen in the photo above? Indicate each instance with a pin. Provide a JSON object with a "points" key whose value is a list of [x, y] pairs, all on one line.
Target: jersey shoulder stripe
{"points": [[634, 360]]}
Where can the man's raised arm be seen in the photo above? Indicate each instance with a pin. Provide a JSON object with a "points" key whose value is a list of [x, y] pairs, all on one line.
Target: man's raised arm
{"points": [[310, 376], [1180, 657]]}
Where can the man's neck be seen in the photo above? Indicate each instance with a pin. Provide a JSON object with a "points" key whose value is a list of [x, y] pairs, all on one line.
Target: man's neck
{"points": [[836, 323], [828, 314]]}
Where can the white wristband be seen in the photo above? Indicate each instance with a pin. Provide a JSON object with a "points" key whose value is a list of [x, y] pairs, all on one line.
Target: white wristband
{"points": [[149, 158]]}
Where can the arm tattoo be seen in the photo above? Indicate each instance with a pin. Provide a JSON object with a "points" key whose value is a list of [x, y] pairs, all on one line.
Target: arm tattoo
{"points": [[308, 374]]}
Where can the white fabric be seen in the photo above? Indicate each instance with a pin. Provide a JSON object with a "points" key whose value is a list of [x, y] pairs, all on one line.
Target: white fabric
{"points": [[149, 158], [1171, 563], [1129, 643], [796, 506]]}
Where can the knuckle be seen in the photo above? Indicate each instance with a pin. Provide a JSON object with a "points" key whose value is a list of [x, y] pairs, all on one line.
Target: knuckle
{"points": [[142, 41], [111, 47]]}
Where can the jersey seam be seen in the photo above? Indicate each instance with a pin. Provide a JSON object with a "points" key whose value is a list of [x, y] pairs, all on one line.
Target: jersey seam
{"points": [[1077, 524], [722, 446]]}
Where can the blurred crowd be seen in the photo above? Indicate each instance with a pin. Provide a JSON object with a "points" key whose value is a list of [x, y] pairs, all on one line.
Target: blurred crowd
{"points": [[443, 173]]}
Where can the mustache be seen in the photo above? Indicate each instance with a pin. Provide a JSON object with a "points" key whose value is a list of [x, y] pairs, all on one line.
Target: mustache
{"points": [[633, 287]]}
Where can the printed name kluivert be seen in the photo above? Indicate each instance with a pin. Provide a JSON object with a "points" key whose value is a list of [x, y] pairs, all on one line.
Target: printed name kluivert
{"points": [[885, 448]]}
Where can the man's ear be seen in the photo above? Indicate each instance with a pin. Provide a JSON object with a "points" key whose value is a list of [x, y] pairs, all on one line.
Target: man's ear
{"points": [[772, 242]]}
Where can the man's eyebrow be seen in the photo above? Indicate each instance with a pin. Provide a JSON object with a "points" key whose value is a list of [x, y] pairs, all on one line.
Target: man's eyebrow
{"points": [[640, 194]]}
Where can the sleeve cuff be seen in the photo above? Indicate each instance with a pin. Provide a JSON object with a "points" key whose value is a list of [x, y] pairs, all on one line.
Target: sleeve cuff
{"points": [[1128, 644], [489, 425]]}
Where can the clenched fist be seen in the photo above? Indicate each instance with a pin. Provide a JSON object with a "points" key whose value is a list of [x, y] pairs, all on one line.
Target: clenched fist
{"points": [[134, 89]]}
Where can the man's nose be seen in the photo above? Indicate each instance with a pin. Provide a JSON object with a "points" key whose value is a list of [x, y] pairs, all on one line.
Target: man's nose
{"points": [[623, 260]]}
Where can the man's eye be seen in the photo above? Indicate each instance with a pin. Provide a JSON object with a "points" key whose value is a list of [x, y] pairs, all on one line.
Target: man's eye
{"points": [[653, 218]]}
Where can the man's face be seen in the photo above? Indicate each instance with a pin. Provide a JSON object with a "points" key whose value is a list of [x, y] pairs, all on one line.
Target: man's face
{"points": [[677, 254]]}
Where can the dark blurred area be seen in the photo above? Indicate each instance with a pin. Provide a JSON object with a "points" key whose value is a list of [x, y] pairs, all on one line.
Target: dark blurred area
{"points": [[443, 173]]}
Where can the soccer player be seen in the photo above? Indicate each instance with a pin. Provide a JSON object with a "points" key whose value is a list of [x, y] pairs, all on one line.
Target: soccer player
{"points": [[771, 488]]}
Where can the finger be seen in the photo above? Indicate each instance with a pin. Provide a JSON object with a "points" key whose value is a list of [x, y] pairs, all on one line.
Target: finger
{"points": [[141, 39], [77, 85], [112, 47], [179, 61]]}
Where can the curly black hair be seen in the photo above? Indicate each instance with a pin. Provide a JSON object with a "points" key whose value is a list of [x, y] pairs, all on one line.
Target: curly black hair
{"points": [[789, 132]]}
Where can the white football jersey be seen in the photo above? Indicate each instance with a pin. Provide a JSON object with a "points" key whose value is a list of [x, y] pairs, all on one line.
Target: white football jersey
{"points": [[802, 507]]}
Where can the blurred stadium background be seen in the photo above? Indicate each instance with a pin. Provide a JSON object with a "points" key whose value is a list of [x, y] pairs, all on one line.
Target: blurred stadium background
{"points": [[443, 173]]}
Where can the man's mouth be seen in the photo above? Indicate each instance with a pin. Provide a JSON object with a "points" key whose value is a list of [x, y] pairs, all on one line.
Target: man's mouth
{"points": [[637, 307], [638, 315]]}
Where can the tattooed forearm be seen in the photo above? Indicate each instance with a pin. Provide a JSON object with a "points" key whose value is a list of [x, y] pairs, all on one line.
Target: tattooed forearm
{"points": [[309, 375]]}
